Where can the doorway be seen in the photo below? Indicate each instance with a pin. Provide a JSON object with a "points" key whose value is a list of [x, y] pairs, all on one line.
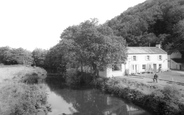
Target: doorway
{"points": [[155, 67]]}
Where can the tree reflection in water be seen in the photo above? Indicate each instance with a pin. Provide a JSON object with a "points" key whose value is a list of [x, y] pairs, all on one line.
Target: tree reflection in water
{"points": [[88, 102]]}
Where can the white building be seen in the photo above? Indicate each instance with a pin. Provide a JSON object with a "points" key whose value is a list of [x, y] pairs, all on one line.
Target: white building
{"points": [[139, 60]]}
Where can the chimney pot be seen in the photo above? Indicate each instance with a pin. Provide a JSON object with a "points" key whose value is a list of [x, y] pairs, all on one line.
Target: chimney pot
{"points": [[158, 45]]}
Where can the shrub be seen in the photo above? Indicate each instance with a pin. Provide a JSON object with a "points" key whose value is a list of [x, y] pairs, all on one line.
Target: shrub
{"points": [[30, 78], [171, 93]]}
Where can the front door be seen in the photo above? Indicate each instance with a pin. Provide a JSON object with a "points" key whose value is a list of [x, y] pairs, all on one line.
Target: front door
{"points": [[155, 67]]}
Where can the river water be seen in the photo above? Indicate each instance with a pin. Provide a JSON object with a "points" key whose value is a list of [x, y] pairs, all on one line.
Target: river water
{"points": [[65, 101]]}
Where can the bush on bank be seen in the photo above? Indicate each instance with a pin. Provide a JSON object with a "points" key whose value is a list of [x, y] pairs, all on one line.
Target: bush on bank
{"points": [[160, 102], [22, 99]]}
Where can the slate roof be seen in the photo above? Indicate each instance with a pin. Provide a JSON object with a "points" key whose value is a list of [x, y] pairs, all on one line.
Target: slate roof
{"points": [[145, 50]]}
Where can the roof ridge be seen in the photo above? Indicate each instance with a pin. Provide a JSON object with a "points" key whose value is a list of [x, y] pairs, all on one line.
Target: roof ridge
{"points": [[145, 50]]}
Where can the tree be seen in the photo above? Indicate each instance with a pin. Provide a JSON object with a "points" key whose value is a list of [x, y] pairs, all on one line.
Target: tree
{"points": [[15, 56], [94, 45], [5, 54], [21, 56], [60, 57], [178, 42], [39, 56]]}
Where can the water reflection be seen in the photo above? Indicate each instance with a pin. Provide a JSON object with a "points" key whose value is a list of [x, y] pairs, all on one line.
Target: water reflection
{"points": [[88, 102]]}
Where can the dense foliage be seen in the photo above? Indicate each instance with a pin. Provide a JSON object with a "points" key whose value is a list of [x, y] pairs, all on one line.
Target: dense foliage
{"points": [[88, 47], [39, 56], [9, 56], [154, 21]]}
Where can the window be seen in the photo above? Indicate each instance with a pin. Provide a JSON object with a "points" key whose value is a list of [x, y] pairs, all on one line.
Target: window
{"points": [[160, 57], [144, 66], [160, 65], [116, 67], [134, 58], [147, 58]]}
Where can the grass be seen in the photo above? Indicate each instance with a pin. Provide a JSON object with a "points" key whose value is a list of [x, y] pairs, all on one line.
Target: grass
{"points": [[21, 99], [18, 72], [19, 93]]}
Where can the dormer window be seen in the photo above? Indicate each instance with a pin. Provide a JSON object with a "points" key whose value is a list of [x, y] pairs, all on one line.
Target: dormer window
{"points": [[160, 57], [134, 58]]}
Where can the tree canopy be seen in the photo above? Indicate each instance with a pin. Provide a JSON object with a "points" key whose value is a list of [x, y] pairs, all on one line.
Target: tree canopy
{"points": [[15, 56], [39, 56], [88, 45]]}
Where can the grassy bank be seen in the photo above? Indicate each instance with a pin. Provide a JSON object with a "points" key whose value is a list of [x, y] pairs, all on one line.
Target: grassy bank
{"points": [[21, 73], [161, 101], [19, 92]]}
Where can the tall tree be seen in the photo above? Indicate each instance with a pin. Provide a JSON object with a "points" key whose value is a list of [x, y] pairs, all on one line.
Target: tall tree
{"points": [[95, 45]]}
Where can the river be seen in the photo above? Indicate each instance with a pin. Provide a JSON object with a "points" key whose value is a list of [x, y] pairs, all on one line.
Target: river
{"points": [[66, 101]]}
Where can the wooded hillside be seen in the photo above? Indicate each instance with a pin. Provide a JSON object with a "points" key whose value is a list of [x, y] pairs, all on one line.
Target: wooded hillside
{"points": [[151, 22]]}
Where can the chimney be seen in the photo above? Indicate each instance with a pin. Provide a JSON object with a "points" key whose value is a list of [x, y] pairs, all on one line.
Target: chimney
{"points": [[158, 46]]}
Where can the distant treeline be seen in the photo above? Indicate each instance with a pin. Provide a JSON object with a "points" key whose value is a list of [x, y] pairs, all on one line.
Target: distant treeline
{"points": [[12, 56], [9, 56]]}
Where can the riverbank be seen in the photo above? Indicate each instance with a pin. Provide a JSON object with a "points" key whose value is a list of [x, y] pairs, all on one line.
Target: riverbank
{"points": [[21, 73], [20, 91], [166, 100]]}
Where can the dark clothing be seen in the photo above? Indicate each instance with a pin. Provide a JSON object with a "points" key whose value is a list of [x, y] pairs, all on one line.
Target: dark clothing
{"points": [[155, 78]]}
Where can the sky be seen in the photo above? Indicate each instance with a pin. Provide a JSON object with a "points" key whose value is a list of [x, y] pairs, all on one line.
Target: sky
{"points": [[34, 24]]}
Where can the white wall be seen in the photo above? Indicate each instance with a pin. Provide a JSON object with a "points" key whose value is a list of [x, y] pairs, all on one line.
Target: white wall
{"points": [[108, 72], [118, 73], [142, 59]]}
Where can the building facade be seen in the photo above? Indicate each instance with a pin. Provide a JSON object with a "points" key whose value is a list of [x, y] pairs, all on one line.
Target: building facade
{"points": [[139, 60]]}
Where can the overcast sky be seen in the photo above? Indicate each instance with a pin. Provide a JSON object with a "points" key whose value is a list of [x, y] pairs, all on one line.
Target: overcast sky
{"points": [[34, 24]]}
